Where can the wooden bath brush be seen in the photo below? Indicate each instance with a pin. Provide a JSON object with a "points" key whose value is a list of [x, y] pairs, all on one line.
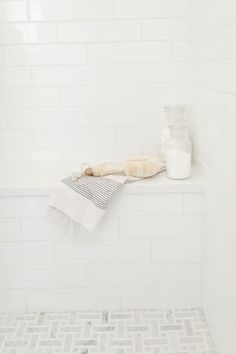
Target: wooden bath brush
{"points": [[140, 166]]}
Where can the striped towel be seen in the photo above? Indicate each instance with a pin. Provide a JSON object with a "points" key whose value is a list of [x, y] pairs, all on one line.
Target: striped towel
{"points": [[84, 200]]}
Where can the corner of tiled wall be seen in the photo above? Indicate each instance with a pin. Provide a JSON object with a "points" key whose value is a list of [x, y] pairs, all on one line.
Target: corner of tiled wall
{"points": [[214, 90]]}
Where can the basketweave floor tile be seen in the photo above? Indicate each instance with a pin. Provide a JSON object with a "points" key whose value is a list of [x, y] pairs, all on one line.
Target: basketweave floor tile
{"points": [[106, 332]]}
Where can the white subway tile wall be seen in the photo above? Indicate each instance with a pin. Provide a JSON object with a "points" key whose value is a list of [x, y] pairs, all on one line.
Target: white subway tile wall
{"points": [[54, 10], [13, 11], [214, 89], [20, 33], [150, 8], [84, 66], [147, 245]]}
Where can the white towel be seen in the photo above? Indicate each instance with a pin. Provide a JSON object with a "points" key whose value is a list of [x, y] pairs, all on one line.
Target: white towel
{"points": [[84, 200]]}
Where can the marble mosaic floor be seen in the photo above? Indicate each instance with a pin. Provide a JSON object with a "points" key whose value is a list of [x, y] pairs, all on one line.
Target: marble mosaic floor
{"points": [[124, 332]]}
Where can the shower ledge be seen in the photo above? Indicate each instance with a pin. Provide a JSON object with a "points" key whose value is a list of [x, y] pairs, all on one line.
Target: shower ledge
{"points": [[38, 179]]}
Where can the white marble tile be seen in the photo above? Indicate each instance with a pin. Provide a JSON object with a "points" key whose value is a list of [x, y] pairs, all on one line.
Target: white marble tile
{"points": [[105, 332]]}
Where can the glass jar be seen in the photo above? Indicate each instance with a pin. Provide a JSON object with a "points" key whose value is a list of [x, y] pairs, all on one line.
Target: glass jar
{"points": [[175, 116], [178, 153]]}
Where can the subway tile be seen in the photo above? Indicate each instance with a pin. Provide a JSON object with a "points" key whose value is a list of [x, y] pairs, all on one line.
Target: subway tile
{"points": [[152, 73], [106, 230], [138, 275], [71, 300], [129, 52], [20, 33], [1, 55], [214, 19], [124, 95], [29, 156], [72, 75], [161, 227], [48, 276], [153, 151], [72, 138], [12, 301], [199, 5], [221, 48], [146, 204], [175, 297], [51, 118], [193, 274], [125, 116], [18, 139], [54, 10], [15, 77], [47, 54], [102, 252], [99, 155], [23, 206], [220, 240], [29, 97], [3, 119], [200, 49], [103, 31], [220, 75], [181, 50], [40, 229], [143, 136], [26, 253], [223, 112], [221, 140], [13, 11], [218, 276], [217, 315], [166, 29], [10, 230], [194, 203], [151, 8], [177, 251]]}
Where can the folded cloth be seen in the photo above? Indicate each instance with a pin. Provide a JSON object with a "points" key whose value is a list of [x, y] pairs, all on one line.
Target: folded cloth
{"points": [[84, 200]]}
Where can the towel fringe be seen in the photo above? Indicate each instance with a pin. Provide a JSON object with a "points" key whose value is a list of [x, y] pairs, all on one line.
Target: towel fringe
{"points": [[66, 226]]}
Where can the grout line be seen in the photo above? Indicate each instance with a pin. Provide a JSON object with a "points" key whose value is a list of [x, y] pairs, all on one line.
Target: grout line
{"points": [[151, 253], [185, 275], [28, 13], [109, 19], [172, 52], [60, 98], [25, 300], [101, 240], [4, 56], [21, 231], [83, 265], [31, 77], [57, 32], [141, 30], [183, 205], [7, 121], [114, 18], [98, 42], [99, 64]]}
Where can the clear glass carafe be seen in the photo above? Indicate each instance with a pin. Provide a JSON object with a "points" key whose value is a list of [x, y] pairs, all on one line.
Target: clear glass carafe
{"points": [[175, 116], [178, 153]]}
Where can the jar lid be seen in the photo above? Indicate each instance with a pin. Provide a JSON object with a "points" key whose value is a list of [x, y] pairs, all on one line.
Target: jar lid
{"points": [[175, 115]]}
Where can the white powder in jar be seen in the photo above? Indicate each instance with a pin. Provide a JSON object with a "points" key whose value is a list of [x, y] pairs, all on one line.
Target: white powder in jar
{"points": [[178, 163]]}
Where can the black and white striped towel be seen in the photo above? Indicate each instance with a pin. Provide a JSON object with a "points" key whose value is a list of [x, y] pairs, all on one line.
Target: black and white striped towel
{"points": [[85, 200]]}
